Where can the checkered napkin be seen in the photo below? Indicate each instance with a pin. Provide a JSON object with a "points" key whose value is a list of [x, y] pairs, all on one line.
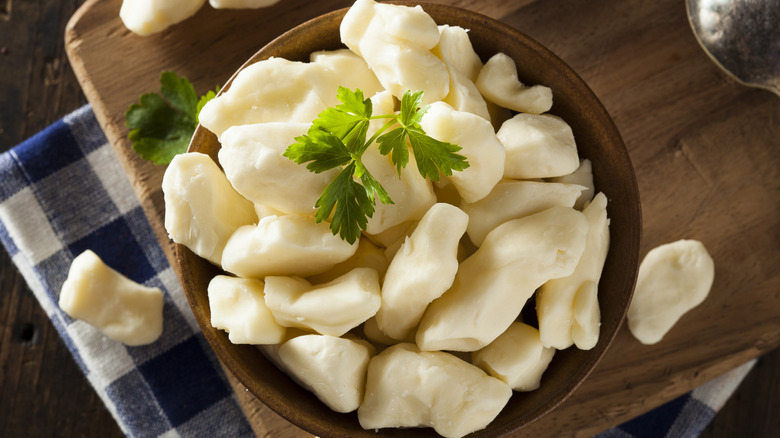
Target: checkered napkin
{"points": [[63, 191]]}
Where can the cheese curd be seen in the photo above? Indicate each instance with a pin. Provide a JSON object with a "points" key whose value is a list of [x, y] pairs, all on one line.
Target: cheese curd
{"points": [[332, 308], [202, 210], [422, 269], [146, 17], [238, 307], [517, 357], [284, 245], [538, 146], [498, 83], [122, 309], [492, 286], [478, 143], [555, 300], [673, 279], [511, 199], [406, 387], [251, 156], [396, 42], [333, 368]]}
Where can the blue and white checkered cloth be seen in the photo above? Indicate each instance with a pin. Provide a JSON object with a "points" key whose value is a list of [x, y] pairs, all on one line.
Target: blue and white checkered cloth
{"points": [[63, 191]]}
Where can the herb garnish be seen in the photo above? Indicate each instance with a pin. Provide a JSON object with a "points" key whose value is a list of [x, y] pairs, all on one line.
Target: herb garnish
{"points": [[161, 125], [337, 139]]}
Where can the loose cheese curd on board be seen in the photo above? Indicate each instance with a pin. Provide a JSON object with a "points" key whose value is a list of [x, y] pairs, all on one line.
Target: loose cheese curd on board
{"points": [[278, 90], [673, 279], [332, 308], [555, 300], [493, 285], [538, 146], [202, 209], [238, 307], [284, 245], [146, 17], [517, 357], [406, 387], [122, 309], [396, 42], [512, 199], [241, 4], [422, 269], [251, 156], [333, 368], [498, 83], [478, 143]]}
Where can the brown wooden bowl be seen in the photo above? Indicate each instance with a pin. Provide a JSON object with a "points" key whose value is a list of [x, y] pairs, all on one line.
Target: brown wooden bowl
{"points": [[598, 140]]}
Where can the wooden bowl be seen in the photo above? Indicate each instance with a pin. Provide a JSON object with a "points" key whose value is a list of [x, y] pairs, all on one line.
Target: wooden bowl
{"points": [[598, 140]]}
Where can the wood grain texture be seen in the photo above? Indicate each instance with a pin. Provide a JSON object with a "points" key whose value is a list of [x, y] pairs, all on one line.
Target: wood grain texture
{"points": [[705, 150], [42, 390]]}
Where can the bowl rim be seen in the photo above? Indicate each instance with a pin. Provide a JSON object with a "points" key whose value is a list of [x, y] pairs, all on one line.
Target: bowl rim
{"points": [[607, 129]]}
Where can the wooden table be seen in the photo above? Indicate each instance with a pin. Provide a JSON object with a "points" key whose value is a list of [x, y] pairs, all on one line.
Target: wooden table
{"points": [[42, 392]]}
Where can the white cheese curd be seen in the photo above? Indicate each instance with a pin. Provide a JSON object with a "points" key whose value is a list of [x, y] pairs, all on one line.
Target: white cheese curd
{"points": [[251, 156], [498, 83], [409, 388], [412, 194], [396, 42], [538, 146], [482, 149], [512, 199], [333, 368], [517, 357], [350, 69], [464, 96], [583, 176], [122, 309], [202, 209], [586, 321], [422, 269], [274, 90], [241, 4], [673, 279], [367, 255], [284, 245], [238, 307], [455, 49], [372, 333], [555, 299], [147, 17], [333, 308], [492, 286]]}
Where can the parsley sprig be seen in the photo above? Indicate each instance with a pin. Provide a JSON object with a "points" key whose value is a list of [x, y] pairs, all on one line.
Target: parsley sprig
{"points": [[161, 124], [337, 139]]}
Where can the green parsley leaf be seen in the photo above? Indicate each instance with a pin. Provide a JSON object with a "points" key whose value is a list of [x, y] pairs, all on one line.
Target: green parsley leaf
{"points": [[432, 156], [323, 149], [161, 125], [337, 139], [352, 205]]}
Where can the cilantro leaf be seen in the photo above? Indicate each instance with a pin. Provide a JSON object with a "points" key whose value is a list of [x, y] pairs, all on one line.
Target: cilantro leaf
{"points": [[161, 124]]}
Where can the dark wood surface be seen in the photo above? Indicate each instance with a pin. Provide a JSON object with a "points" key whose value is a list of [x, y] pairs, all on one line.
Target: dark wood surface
{"points": [[42, 392]]}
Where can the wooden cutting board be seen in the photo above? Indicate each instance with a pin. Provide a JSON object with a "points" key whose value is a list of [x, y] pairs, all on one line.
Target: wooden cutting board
{"points": [[706, 152]]}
